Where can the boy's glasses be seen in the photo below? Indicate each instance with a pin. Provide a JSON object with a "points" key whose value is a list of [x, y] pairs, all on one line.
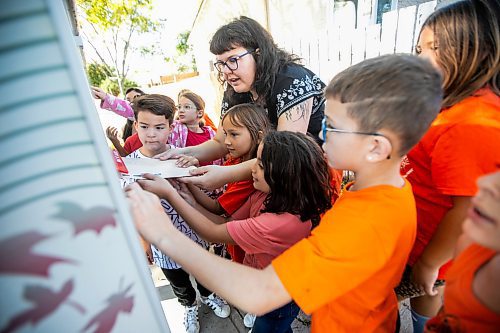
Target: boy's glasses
{"points": [[231, 63], [186, 107], [327, 128]]}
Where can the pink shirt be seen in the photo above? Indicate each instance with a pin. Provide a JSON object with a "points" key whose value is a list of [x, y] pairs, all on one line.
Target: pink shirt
{"points": [[264, 236]]}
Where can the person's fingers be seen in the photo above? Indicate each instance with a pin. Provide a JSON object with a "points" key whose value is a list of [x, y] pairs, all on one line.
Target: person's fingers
{"points": [[149, 176], [131, 188], [429, 289], [199, 171]]}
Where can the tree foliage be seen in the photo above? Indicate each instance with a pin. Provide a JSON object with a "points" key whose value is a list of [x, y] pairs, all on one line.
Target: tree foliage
{"points": [[97, 73], [109, 27], [184, 60]]}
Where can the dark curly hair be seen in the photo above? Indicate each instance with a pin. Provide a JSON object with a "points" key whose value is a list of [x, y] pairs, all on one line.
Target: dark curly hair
{"points": [[248, 33], [297, 174]]}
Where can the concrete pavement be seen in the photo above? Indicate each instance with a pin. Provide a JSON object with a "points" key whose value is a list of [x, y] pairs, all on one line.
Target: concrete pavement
{"points": [[210, 323]]}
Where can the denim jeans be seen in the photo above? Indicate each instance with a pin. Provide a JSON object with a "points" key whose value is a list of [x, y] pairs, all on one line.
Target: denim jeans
{"points": [[277, 321]]}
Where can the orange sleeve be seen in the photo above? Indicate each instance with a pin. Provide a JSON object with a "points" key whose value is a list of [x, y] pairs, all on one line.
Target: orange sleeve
{"points": [[209, 122]]}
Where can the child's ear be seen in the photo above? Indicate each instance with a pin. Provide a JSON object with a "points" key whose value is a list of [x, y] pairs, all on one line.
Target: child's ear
{"points": [[200, 113], [135, 125], [261, 136], [380, 149]]}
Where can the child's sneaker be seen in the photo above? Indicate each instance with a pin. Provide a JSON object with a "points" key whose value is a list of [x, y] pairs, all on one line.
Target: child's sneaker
{"points": [[249, 320], [220, 306], [191, 319]]}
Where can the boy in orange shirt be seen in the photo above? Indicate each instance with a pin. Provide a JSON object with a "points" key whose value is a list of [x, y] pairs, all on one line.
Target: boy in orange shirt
{"points": [[344, 273]]}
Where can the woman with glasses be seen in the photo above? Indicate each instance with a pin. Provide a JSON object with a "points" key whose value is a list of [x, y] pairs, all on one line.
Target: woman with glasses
{"points": [[254, 69]]}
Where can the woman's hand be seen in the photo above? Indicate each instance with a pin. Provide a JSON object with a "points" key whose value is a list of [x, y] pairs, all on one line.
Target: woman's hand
{"points": [[149, 217], [157, 185]]}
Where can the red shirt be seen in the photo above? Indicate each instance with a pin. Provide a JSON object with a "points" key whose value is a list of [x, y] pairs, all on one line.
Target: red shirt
{"points": [[461, 145], [132, 143], [194, 139], [236, 193], [233, 198]]}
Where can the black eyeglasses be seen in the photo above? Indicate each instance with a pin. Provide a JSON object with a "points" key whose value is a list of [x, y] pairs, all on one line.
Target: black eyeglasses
{"points": [[231, 63], [327, 128]]}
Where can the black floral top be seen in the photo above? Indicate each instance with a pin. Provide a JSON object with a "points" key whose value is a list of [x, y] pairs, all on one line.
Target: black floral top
{"points": [[294, 84]]}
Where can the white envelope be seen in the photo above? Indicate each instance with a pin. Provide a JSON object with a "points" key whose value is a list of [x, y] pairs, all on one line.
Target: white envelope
{"points": [[165, 169]]}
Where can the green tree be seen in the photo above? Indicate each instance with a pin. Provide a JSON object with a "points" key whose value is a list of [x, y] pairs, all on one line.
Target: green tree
{"points": [[97, 73], [184, 60], [109, 26], [110, 85]]}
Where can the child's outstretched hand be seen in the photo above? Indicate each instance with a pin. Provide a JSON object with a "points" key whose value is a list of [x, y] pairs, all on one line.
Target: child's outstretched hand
{"points": [[112, 134], [185, 193], [157, 185], [149, 217], [98, 93], [184, 161]]}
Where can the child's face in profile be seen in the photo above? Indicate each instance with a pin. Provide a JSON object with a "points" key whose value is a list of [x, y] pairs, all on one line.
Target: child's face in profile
{"points": [[238, 140], [427, 47], [483, 222], [259, 181], [153, 132], [188, 113], [343, 150]]}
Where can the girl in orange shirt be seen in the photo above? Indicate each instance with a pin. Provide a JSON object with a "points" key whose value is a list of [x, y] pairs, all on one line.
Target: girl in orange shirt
{"points": [[461, 144], [472, 296]]}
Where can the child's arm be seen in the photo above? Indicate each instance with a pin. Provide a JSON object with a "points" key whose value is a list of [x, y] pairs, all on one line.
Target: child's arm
{"points": [[206, 228], [112, 134], [441, 247], [252, 290], [112, 103], [212, 205]]}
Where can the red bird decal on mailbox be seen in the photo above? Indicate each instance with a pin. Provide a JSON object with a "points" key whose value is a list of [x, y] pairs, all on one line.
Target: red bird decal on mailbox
{"points": [[106, 319], [94, 219], [45, 302], [17, 256]]}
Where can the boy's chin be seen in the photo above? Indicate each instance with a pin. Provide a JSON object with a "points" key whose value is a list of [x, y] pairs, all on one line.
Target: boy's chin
{"points": [[154, 150]]}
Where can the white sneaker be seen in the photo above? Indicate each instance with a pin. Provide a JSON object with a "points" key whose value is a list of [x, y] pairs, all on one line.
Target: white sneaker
{"points": [[249, 320], [191, 319], [217, 304]]}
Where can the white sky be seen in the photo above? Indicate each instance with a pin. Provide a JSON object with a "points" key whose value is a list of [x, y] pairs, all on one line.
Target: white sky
{"points": [[179, 17]]}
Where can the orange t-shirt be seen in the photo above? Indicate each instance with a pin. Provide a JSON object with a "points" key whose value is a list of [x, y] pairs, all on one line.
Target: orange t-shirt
{"points": [[346, 271], [459, 300], [461, 145]]}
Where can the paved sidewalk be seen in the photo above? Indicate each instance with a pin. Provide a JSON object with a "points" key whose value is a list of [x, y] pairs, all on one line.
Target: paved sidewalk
{"points": [[210, 323]]}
